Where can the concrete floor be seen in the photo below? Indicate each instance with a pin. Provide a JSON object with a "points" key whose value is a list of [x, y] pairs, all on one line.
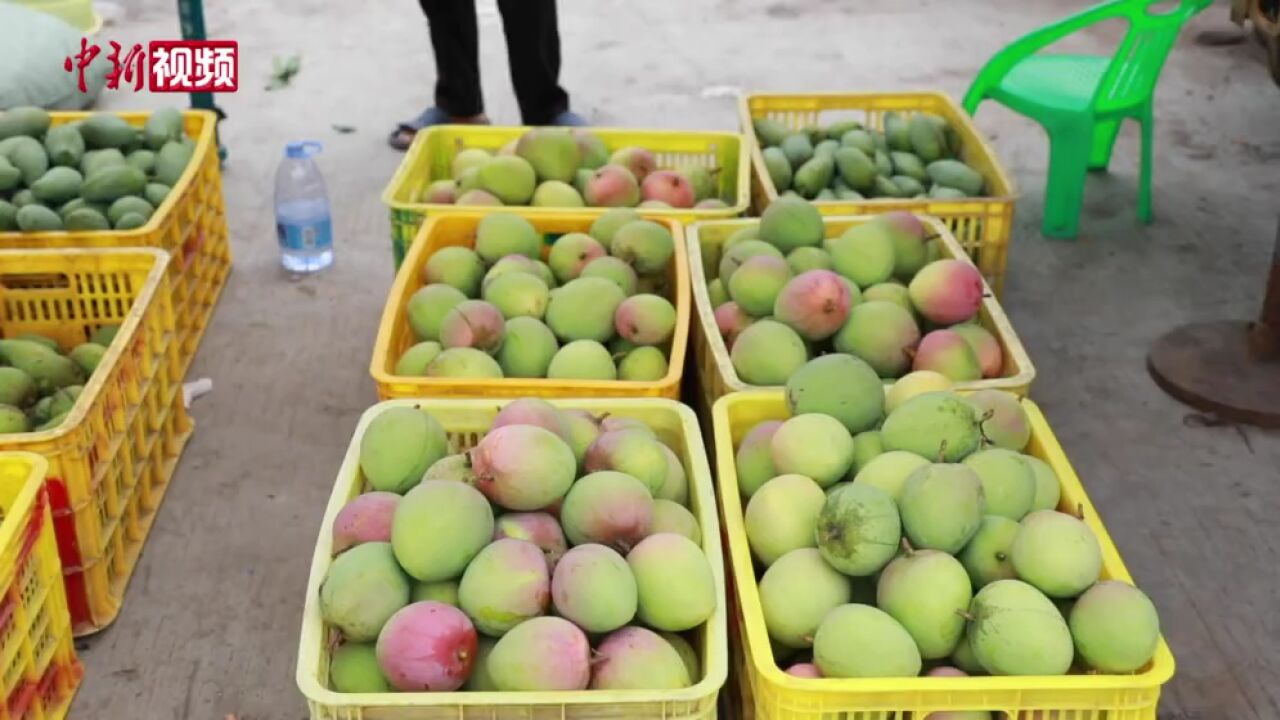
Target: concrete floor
{"points": [[210, 623]]}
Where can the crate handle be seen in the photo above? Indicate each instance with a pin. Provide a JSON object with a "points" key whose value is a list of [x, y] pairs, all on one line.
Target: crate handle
{"points": [[35, 281]]}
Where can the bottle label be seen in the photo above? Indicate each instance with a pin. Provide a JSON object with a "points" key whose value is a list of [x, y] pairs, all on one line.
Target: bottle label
{"points": [[305, 237]]}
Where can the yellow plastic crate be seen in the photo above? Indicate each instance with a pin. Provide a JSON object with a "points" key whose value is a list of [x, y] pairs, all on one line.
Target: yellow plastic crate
{"points": [[111, 459], [466, 422], [191, 225], [771, 694], [37, 654], [433, 150], [983, 226], [453, 229], [716, 375]]}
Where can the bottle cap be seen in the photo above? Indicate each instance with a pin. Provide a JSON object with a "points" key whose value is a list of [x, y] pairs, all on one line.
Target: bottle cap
{"points": [[302, 149]]}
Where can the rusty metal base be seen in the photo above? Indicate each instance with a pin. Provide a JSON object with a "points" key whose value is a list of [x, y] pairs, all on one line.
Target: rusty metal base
{"points": [[1209, 366]]}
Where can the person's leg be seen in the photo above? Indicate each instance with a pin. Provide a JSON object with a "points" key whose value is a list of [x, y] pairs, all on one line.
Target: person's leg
{"points": [[455, 41], [456, 45], [533, 54]]}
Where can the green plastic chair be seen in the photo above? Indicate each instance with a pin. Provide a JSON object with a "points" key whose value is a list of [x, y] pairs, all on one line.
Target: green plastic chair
{"points": [[1080, 100]]}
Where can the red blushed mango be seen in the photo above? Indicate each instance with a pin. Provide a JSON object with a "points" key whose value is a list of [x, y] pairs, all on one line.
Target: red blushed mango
{"points": [[612, 186], [366, 518], [815, 304], [985, 346], [669, 187], [947, 353], [947, 291], [427, 647]]}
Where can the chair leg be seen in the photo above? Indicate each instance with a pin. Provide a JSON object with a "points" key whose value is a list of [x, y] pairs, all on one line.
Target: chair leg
{"points": [[1104, 139], [1144, 173], [1064, 191]]}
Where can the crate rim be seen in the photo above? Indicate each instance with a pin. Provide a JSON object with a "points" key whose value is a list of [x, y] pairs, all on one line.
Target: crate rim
{"points": [[1162, 664], [93, 386], [417, 152], [714, 675], [204, 139], [1018, 382], [37, 471], [381, 358], [1002, 178]]}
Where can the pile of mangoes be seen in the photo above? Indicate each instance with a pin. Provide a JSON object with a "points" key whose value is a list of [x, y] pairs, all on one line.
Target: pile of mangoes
{"points": [[911, 156], [39, 384], [96, 174]]}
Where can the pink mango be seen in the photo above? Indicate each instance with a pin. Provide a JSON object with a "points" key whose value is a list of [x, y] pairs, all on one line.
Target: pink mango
{"points": [[815, 304], [366, 518], [427, 647], [668, 186], [947, 291]]}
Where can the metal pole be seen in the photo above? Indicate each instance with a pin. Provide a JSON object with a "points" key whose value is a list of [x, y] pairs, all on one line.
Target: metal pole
{"points": [[191, 17]]}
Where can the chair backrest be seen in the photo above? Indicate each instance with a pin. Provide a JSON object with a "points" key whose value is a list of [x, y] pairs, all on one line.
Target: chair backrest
{"points": [[1135, 68]]}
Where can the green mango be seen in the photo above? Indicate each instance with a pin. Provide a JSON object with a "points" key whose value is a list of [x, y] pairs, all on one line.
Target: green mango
{"points": [[26, 120], [896, 132], [156, 193], [16, 387], [64, 145], [130, 221], [162, 126], [48, 369], [21, 199], [13, 420], [33, 217], [856, 169], [95, 160], [104, 335], [87, 356], [44, 340], [942, 192], [8, 216], [813, 176], [825, 194], [778, 167], [837, 130], [129, 204], [64, 399], [927, 140], [28, 155], [956, 174], [909, 186], [40, 411], [798, 149], [860, 139], [885, 187], [884, 165], [826, 148], [144, 160], [85, 218], [58, 185], [769, 131], [51, 423], [104, 130], [904, 163], [844, 192], [10, 176]]}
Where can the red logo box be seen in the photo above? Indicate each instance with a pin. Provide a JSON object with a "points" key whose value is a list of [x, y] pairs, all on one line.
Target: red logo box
{"points": [[193, 66]]}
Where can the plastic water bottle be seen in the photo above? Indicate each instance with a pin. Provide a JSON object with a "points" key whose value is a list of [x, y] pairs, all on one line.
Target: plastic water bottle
{"points": [[303, 224]]}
